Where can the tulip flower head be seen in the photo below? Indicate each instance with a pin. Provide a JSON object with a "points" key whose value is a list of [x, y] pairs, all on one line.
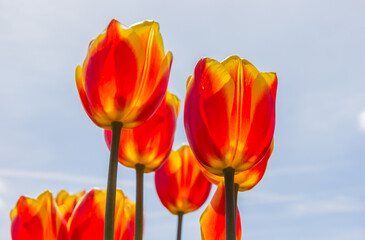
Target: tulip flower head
{"points": [[87, 220], [38, 219], [212, 221], [150, 143], [125, 74], [180, 184], [229, 114]]}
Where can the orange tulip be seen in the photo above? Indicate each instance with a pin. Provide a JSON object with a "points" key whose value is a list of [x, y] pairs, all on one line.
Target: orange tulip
{"points": [[87, 220], [66, 202], [248, 179], [229, 114], [212, 221], [38, 219], [180, 184], [125, 74], [150, 143]]}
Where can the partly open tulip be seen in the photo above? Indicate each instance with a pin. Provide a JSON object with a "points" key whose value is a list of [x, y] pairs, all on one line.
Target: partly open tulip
{"points": [[66, 202], [212, 221], [38, 219], [150, 143], [229, 114], [87, 220], [245, 180], [125, 74]]}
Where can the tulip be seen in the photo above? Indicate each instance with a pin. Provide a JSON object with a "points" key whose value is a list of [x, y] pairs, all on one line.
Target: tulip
{"points": [[212, 221], [66, 202], [125, 74], [146, 147], [180, 184], [38, 219], [121, 83], [229, 119], [87, 220]]}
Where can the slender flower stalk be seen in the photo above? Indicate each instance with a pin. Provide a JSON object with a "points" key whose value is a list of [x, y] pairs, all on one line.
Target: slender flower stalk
{"points": [[138, 234], [230, 203], [179, 224], [112, 182]]}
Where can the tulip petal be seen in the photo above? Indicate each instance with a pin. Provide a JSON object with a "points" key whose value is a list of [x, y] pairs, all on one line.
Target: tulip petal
{"points": [[262, 123], [94, 116], [250, 178], [66, 202], [151, 96]]}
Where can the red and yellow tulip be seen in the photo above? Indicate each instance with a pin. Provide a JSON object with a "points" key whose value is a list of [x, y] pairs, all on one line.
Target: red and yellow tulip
{"points": [[229, 114], [87, 220], [212, 221], [150, 143], [125, 74], [38, 219], [180, 184]]}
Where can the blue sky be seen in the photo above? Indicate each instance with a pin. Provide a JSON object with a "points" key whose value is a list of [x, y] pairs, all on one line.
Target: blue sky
{"points": [[314, 187]]}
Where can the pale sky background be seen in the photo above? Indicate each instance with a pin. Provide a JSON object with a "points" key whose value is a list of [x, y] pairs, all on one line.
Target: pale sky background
{"points": [[314, 187]]}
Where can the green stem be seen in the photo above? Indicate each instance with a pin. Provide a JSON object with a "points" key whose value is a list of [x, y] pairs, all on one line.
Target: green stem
{"points": [[236, 187], [230, 203], [179, 224], [112, 182], [138, 229]]}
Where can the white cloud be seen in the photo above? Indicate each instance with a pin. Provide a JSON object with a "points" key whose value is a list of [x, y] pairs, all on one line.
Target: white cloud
{"points": [[62, 177], [338, 204], [362, 120]]}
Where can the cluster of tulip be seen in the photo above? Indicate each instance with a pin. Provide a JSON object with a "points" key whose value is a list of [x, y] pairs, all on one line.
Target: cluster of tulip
{"points": [[70, 217], [229, 118]]}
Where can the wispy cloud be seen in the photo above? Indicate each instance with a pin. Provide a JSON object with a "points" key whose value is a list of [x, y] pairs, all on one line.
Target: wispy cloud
{"points": [[301, 205], [338, 204], [53, 176], [62, 177]]}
